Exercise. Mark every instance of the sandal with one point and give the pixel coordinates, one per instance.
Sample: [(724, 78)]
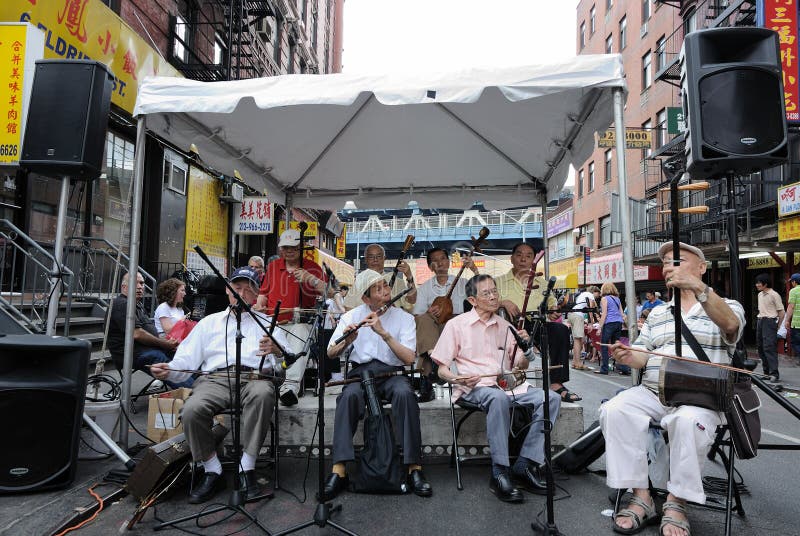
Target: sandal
[(669, 520), (639, 524), (566, 395), (579, 367)]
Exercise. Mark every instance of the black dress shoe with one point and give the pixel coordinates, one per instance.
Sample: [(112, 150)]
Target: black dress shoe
[(248, 484), (208, 486), (530, 480), (419, 484), (334, 485), (504, 489), (426, 393), (288, 398)]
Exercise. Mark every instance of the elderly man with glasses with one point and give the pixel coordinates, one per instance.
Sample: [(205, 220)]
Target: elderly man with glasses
[(375, 257)]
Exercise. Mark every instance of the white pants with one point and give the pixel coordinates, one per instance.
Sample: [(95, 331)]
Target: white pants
[(625, 421), (297, 336)]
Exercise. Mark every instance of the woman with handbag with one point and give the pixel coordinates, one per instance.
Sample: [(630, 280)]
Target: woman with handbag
[(611, 322), (170, 294)]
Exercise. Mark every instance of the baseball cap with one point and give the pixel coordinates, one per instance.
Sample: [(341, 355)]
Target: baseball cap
[(245, 272), (795, 278), (290, 237), (667, 247)]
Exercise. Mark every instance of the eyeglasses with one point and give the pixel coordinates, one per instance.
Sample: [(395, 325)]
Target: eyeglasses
[(489, 293)]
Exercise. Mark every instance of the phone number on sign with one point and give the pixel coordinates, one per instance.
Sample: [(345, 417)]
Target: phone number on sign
[(8, 150), (254, 226)]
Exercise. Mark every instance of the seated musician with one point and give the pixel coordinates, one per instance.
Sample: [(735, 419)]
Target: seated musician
[(513, 287), (477, 343), (384, 344), (717, 324), (427, 313), (211, 346), (375, 259)]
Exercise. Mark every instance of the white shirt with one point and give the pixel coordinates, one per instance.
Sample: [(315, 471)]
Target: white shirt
[(335, 310), (165, 310), (430, 290), (368, 344), (583, 301), (207, 347)]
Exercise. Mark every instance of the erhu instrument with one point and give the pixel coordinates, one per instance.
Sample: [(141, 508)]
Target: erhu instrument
[(406, 246), (445, 303), (528, 289)]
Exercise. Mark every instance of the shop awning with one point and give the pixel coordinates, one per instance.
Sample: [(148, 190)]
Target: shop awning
[(567, 281)]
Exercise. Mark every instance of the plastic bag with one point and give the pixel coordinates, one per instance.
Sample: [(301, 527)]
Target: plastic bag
[(658, 454), (181, 329), (782, 331)]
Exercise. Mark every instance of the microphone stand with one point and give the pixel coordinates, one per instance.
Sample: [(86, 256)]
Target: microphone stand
[(324, 510), (538, 526), (237, 497)]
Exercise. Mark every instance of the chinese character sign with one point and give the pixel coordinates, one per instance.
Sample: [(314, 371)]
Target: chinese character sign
[(559, 223), (253, 216), (12, 71), (206, 218), (781, 17), (789, 199), (341, 244), (789, 229)]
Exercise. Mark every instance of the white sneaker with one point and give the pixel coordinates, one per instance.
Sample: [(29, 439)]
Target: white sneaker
[(156, 384)]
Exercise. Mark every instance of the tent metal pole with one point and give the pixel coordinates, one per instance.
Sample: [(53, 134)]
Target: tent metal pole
[(133, 270), (625, 214)]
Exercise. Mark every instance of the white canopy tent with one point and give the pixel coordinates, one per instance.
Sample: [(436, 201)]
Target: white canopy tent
[(505, 137)]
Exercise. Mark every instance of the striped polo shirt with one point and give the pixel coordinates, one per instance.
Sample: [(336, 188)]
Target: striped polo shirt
[(658, 334)]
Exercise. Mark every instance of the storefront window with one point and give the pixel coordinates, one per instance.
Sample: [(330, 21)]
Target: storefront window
[(113, 191)]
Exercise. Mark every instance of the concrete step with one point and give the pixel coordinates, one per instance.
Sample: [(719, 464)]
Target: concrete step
[(297, 426)]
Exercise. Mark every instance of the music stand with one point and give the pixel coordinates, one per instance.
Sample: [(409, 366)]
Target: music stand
[(324, 510), (549, 528), (237, 498)]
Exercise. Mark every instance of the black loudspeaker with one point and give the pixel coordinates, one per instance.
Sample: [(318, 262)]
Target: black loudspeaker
[(42, 390), (67, 119), (733, 102), (211, 297)]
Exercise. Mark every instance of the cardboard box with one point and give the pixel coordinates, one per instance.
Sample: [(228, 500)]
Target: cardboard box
[(163, 414)]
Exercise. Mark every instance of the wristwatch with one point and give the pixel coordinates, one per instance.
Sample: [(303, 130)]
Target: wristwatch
[(703, 296)]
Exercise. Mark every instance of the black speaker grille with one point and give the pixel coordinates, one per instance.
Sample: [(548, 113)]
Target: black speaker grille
[(741, 113), (38, 447)]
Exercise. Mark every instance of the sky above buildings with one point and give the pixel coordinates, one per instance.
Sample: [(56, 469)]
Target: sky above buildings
[(382, 36), (431, 35)]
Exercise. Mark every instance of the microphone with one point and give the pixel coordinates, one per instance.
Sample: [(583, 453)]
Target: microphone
[(289, 359), (329, 272), (520, 343), (550, 284)]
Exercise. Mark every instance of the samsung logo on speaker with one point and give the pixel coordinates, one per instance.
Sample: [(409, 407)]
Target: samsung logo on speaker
[(19, 471), (748, 141)]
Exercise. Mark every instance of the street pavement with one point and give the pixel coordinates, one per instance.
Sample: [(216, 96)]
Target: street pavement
[(581, 507)]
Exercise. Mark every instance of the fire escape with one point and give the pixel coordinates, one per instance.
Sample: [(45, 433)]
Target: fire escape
[(239, 39), (752, 198)]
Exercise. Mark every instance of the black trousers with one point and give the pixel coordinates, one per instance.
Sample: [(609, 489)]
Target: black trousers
[(350, 408)]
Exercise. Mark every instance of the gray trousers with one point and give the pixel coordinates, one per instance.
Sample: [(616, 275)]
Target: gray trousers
[(350, 408), (767, 342), (210, 395), (497, 405)]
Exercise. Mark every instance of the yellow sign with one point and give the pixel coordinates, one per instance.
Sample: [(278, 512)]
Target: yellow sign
[(767, 261), (206, 220), (565, 267), (341, 244), (634, 138), (12, 79), (87, 29), (789, 229)]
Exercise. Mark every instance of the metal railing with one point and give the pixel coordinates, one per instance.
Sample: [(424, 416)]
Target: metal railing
[(100, 265), (26, 269)]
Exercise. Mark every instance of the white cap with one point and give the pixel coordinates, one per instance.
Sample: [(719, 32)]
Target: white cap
[(290, 237), (366, 279), (666, 247)]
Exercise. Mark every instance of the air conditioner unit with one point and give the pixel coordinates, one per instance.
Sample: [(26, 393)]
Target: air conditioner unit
[(263, 28), (233, 192)]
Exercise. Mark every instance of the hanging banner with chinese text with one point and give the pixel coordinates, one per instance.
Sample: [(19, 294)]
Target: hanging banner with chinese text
[(88, 29), (341, 243), (253, 216), (206, 222), (781, 16), (789, 229), (20, 46)]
